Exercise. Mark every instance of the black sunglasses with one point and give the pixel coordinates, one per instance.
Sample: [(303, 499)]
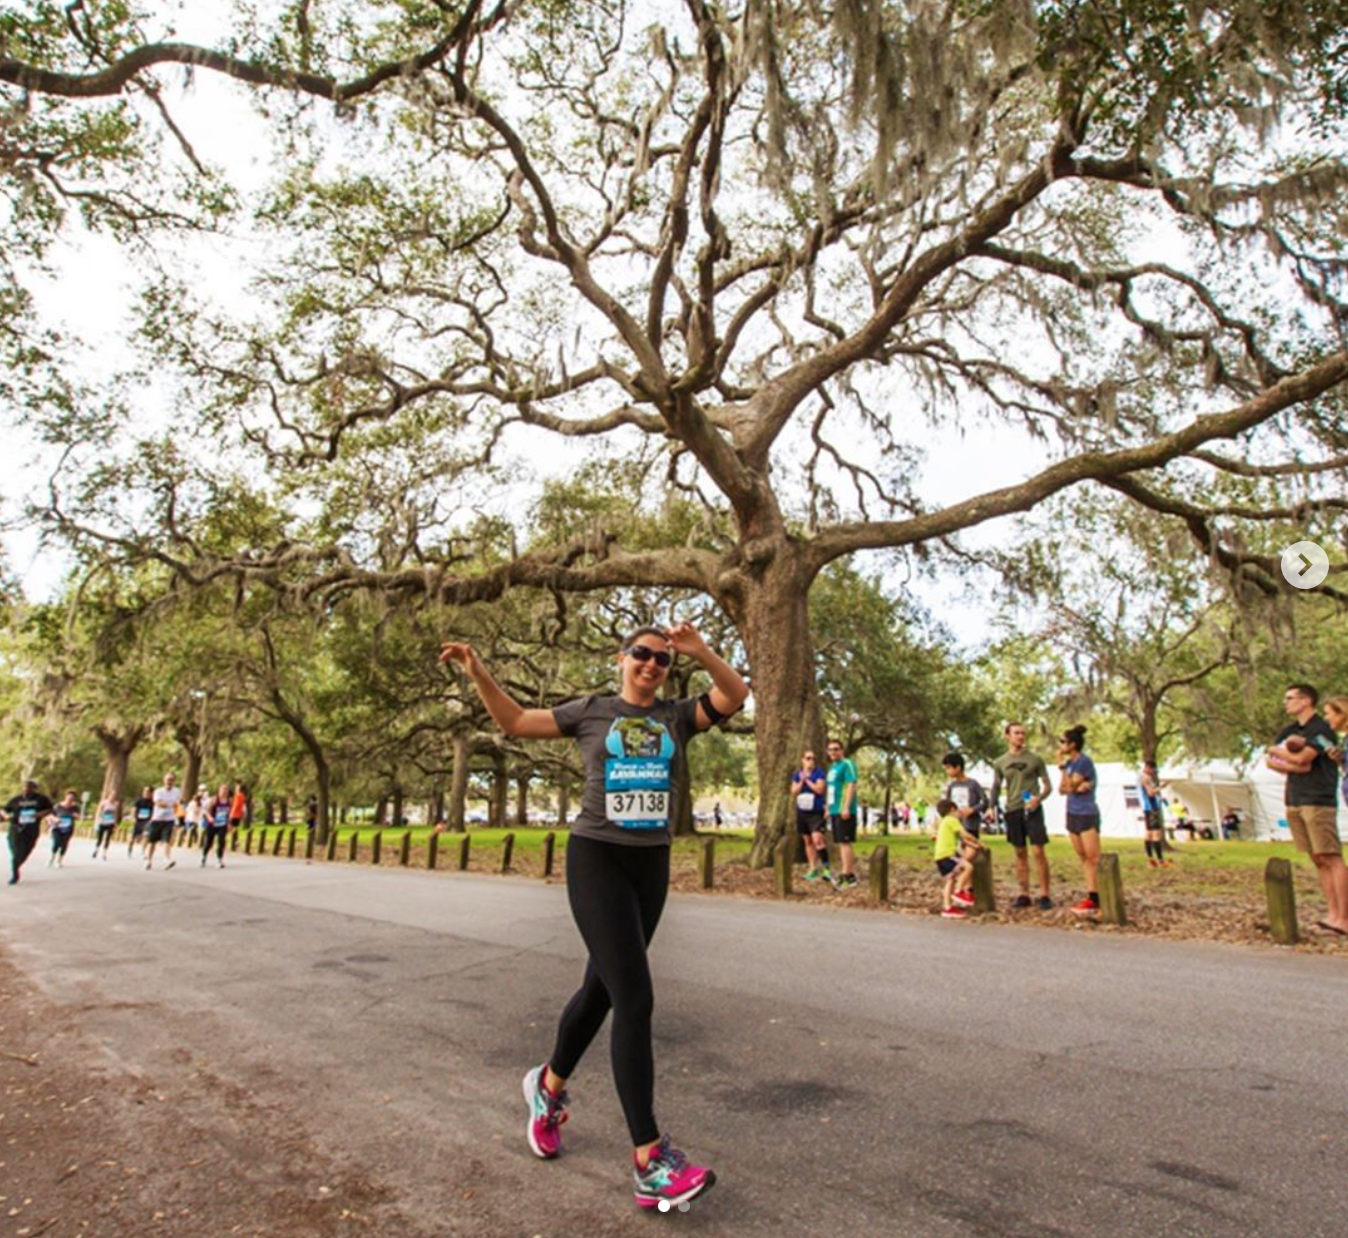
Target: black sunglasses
[(644, 653)]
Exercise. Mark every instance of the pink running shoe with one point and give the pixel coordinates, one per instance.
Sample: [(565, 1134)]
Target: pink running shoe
[(964, 897), (546, 1115), (669, 1181)]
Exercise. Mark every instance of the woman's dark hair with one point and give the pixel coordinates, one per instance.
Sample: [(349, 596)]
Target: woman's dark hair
[(631, 638), (1076, 736)]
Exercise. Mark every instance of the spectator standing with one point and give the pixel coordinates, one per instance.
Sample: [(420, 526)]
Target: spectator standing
[(1153, 815), (1336, 714), (964, 792), (1303, 751), (1024, 775), (808, 786), (842, 811), (1078, 783), (238, 806)]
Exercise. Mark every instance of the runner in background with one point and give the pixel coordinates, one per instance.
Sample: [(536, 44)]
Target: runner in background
[(141, 812), (24, 813), (106, 820), (215, 825), (63, 819), (163, 821), (617, 876)]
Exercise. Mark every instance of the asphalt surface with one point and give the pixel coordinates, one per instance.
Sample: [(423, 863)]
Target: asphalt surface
[(843, 1072)]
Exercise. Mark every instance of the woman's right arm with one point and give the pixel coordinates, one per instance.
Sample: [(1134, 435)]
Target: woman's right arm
[(506, 712)]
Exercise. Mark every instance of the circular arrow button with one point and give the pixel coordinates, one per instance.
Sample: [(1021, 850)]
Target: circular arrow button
[(1305, 565)]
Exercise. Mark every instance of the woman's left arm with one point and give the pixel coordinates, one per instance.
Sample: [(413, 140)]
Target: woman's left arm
[(728, 689)]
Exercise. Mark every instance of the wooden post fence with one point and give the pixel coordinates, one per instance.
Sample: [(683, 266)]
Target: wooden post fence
[(783, 869), (405, 849), (507, 851), (464, 843), (432, 850), (549, 846), (290, 843), (878, 872), (332, 844), (248, 842), (984, 899), (1282, 902), (352, 846), (377, 847), (706, 863), (1112, 910), (277, 842)]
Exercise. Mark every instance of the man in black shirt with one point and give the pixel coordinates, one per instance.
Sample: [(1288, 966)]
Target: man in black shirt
[(1311, 797), (25, 814)]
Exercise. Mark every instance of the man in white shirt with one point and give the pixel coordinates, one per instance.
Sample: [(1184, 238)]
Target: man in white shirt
[(163, 820)]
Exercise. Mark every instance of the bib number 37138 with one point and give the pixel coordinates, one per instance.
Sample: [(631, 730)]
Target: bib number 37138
[(636, 792)]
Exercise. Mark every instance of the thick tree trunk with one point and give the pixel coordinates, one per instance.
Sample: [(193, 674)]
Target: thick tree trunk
[(191, 769), (435, 810), (773, 617), (397, 814), (500, 790), (283, 809), (456, 810), (1148, 731), (381, 812), (117, 749), (522, 800)]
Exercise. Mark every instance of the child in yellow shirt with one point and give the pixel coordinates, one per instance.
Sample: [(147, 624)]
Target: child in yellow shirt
[(953, 853)]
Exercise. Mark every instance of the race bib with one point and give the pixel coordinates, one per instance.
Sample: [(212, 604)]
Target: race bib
[(636, 774), (27, 816), (636, 793), (805, 801), (108, 818)]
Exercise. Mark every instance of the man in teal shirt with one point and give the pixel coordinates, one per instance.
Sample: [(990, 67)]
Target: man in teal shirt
[(842, 811)]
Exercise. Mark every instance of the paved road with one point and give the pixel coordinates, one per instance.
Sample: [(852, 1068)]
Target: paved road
[(844, 1072)]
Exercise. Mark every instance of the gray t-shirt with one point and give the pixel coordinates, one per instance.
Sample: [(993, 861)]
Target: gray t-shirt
[(628, 752)]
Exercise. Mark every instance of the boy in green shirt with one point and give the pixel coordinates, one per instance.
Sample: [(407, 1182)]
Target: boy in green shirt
[(953, 854)]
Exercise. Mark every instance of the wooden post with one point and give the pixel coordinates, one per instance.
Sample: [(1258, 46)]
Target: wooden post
[(549, 846), (377, 847), (405, 849), (878, 872), (984, 900), (432, 850), (706, 863), (352, 846), (463, 852), (1112, 910), (248, 842), (290, 843), (332, 844), (309, 844), (1282, 902), (783, 869), (507, 851), (278, 841)]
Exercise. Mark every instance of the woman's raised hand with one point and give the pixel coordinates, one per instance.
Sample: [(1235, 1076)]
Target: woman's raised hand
[(686, 639), (461, 652)]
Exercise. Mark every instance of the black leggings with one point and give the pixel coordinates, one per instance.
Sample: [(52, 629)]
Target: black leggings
[(215, 834), (104, 838), (60, 840), (22, 840), (617, 893)]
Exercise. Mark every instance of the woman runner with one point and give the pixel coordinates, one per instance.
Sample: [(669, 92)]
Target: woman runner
[(63, 818), (617, 876), (108, 812), (215, 825)]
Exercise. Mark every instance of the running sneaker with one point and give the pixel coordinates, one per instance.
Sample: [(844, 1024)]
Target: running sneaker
[(1045, 903), (964, 897), (669, 1179), (546, 1115), (814, 874), (846, 881), (1022, 900), (1084, 908), (953, 912), (169, 865)]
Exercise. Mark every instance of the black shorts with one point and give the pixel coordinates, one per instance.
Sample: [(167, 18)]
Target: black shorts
[(808, 823), (1151, 819), (138, 828), (947, 866), (162, 831), (1025, 826), (1082, 822), (844, 829)]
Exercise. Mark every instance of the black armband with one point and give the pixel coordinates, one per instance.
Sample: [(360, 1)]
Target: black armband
[(714, 715)]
